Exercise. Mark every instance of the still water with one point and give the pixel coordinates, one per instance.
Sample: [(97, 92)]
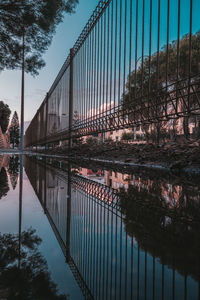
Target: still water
[(73, 231)]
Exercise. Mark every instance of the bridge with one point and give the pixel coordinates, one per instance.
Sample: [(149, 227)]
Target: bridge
[(136, 63)]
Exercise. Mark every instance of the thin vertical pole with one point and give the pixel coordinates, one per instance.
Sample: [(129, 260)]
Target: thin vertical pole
[(20, 207), (71, 98), (68, 215), (46, 119), (22, 99)]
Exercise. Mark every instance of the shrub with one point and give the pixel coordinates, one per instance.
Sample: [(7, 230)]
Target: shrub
[(128, 136), (91, 141)]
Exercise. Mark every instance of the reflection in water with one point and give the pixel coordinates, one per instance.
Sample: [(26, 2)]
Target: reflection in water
[(122, 243), (4, 187), (9, 166), (168, 232), (31, 280), (13, 170)]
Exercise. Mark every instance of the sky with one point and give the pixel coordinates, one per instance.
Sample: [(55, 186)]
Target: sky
[(37, 87), (68, 32)]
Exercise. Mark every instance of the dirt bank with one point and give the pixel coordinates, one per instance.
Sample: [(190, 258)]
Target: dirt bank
[(172, 155)]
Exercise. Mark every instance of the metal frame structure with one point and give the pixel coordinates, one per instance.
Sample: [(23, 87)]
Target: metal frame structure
[(106, 260), (132, 65)]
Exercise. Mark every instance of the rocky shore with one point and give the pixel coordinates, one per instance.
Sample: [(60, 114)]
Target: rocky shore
[(172, 155)]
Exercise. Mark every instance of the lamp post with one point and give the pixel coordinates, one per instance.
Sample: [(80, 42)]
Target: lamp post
[(22, 98)]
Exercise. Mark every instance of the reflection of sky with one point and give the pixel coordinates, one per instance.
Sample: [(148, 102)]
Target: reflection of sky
[(33, 216), (92, 223)]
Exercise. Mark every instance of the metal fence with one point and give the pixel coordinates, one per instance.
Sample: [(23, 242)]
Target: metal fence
[(136, 62)]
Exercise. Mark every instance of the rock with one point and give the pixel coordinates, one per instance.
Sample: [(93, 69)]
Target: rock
[(194, 144), (128, 160), (178, 165)]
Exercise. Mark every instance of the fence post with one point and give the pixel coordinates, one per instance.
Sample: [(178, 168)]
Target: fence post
[(71, 97), (46, 121)]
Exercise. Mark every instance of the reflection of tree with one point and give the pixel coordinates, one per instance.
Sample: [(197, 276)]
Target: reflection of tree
[(170, 233), (4, 188), (14, 170), (30, 281)]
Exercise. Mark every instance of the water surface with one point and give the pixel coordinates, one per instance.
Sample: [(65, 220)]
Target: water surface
[(80, 233)]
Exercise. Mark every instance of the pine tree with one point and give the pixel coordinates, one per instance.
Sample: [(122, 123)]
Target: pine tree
[(14, 130)]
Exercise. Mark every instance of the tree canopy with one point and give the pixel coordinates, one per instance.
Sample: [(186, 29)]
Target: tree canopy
[(150, 78), (159, 84), (4, 116), (4, 187), (37, 21), (32, 280)]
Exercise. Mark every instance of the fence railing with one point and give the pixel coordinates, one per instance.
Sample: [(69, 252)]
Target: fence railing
[(135, 63), (127, 251)]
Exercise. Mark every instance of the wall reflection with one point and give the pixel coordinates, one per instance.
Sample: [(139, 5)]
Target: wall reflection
[(137, 239)]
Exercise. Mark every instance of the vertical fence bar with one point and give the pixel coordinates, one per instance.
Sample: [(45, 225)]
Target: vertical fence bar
[(155, 90), (71, 98)]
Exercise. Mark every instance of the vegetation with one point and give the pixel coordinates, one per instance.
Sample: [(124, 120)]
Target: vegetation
[(4, 116), (14, 130), (108, 140), (36, 21), (166, 229), (148, 87), (128, 136), (77, 141), (91, 141), (25, 276), (13, 170), (4, 187)]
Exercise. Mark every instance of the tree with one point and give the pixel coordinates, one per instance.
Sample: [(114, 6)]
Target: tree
[(32, 279), (4, 116), (13, 170), (4, 187), (149, 93), (36, 20), (26, 31), (14, 130)]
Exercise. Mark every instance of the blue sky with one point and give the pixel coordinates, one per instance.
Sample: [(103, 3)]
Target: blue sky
[(36, 88), (68, 32)]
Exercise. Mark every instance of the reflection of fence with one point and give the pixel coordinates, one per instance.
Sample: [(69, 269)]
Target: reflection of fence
[(135, 62), (109, 254), (55, 208), (100, 191)]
